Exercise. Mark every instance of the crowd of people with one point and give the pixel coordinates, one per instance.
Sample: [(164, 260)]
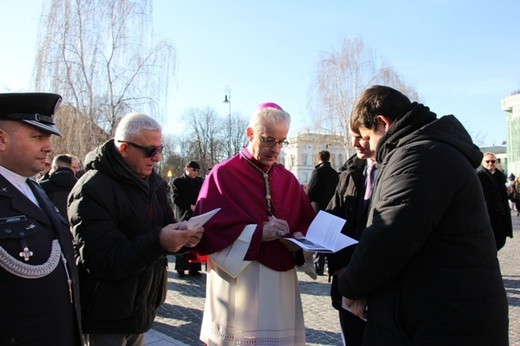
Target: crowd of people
[(83, 255)]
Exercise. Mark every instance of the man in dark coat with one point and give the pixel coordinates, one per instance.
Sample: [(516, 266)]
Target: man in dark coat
[(122, 225), (185, 192), (61, 180), (351, 202), (493, 183), (38, 279), (426, 264), (320, 189)]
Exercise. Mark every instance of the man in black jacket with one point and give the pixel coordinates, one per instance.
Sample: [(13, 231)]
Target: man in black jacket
[(320, 189), (185, 191), (123, 228), (428, 242), (61, 180), (351, 201), (40, 303), (493, 183)]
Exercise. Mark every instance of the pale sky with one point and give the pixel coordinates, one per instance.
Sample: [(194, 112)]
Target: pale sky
[(462, 57)]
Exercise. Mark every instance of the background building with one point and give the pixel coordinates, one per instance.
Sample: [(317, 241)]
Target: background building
[(511, 106), (300, 156)]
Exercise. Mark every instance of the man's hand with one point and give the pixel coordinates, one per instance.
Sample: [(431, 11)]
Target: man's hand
[(172, 239), (358, 307), (274, 229), (292, 247)]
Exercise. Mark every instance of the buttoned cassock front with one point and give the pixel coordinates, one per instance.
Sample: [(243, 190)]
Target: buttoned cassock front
[(36, 311)]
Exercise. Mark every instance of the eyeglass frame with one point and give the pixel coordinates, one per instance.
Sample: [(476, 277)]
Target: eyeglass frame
[(492, 161), (148, 151), (271, 142)]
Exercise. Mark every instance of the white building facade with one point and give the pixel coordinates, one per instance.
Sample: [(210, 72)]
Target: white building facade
[(511, 106), (301, 155)]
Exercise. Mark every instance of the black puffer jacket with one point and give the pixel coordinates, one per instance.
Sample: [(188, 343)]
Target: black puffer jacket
[(428, 261), (116, 218), (58, 187)]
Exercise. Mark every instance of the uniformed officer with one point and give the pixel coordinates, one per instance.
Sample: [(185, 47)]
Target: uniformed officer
[(39, 302)]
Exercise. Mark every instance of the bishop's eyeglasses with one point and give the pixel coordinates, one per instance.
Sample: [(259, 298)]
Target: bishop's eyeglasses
[(271, 142)]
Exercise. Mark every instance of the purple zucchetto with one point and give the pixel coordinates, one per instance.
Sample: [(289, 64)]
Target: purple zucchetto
[(265, 105)]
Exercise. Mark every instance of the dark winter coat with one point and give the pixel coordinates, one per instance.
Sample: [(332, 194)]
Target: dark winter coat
[(58, 186), (346, 204), (116, 218), (495, 194), (427, 262), (185, 192), (322, 185)]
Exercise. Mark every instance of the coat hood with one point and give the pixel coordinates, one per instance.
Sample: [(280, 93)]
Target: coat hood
[(420, 124), (63, 177)]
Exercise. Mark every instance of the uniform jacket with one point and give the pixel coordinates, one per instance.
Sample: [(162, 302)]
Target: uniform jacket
[(116, 218), (321, 186), (427, 262), (36, 311), (185, 192), (58, 187), (497, 204)]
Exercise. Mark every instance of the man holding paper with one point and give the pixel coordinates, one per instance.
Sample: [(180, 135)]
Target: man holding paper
[(123, 227), (252, 292), (426, 264)]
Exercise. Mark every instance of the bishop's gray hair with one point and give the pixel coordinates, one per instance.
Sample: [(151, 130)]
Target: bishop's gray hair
[(270, 114)]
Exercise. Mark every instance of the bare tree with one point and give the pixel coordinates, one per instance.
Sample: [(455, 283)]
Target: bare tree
[(238, 133), (341, 76), (101, 56), (205, 129)]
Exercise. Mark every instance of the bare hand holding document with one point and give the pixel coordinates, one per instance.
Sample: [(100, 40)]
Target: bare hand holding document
[(324, 235)]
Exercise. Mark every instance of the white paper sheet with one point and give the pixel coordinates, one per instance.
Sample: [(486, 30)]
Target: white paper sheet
[(324, 235)]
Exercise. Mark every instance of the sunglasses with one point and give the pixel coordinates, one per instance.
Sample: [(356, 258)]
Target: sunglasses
[(148, 151), (492, 161)]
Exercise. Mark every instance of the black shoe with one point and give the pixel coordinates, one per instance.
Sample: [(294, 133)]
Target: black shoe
[(194, 273), (181, 273)]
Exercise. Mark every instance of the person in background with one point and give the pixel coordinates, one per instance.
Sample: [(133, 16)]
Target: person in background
[(74, 165), (252, 293), (44, 173), (61, 181), (493, 183), (185, 191), (351, 201), (428, 242), (38, 279), (320, 189), (511, 191), (123, 227), (516, 195)]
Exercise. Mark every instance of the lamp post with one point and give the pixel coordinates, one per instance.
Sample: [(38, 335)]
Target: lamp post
[(227, 99)]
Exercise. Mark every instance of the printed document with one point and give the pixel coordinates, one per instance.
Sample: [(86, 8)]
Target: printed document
[(324, 235)]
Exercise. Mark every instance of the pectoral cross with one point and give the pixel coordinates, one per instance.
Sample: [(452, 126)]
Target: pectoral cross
[(26, 253)]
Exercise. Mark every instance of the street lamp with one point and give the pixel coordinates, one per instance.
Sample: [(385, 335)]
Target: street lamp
[(227, 99)]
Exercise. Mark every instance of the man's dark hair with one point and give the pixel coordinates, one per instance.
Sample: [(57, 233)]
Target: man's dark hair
[(378, 100), (324, 155), (63, 160)]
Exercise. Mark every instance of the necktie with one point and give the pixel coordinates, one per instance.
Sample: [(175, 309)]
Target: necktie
[(26, 190), (369, 180)]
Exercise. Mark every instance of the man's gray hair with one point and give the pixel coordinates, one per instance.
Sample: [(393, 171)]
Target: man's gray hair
[(269, 114), (131, 124)]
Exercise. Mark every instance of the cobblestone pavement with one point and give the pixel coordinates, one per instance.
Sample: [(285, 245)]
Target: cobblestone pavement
[(181, 315)]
